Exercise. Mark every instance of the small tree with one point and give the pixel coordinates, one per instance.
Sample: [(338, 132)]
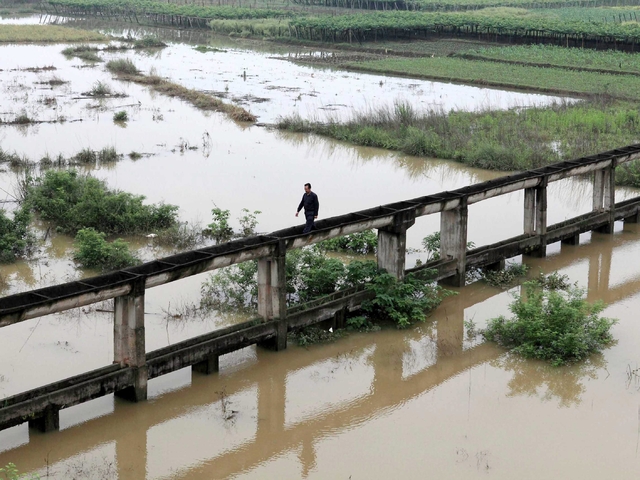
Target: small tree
[(93, 251), (220, 228)]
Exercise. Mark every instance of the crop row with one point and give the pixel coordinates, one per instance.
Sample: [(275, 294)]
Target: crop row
[(374, 25), (554, 56), (150, 7), (550, 80), (448, 5)]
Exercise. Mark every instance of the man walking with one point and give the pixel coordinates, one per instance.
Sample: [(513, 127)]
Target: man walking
[(311, 206)]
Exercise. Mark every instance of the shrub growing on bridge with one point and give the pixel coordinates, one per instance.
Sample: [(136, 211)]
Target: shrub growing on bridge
[(554, 325), (74, 202)]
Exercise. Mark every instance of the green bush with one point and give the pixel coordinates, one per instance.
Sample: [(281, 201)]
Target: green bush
[(403, 302), (74, 202), (93, 251), (362, 243), (121, 116), (15, 238), (507, 276), (554, 325), (220, 228)]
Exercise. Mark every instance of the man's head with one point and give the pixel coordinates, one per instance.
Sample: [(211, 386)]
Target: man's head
[(307, 187)]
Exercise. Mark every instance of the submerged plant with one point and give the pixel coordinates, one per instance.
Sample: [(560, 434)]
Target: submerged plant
[(554, 325), (94, 251)]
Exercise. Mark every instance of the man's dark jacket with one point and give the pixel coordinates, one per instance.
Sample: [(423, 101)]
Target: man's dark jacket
[(310, 203)]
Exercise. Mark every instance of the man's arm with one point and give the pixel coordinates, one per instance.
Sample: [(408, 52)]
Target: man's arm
[(317, 205), (300, 206)]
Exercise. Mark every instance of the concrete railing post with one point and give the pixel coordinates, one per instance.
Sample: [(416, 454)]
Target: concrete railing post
[(392, 244), (604, 195), (453, 241), (129, 342), (272, 294), (535, 215)]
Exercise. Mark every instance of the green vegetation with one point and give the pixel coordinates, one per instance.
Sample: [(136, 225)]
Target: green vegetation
[(553, 325), (608, 61), (149, 7), (74, 202), (121, 116), (505, 75), (46, 33), (15, 238), (404, 303), (10, 472), (517, 139), (83, 52), (310, 275), (219, 228), (93, 251), (490, 23), (361, 243), (122, 66), (507, 276), (125, 69)]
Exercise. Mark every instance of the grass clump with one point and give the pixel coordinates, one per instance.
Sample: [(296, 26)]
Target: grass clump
[(46, 33), (92, 250), (122, 66), (74, 202), (120, 116), (135, 155), (83, 52), (148, 42), (558, 326), (360, 243), (100, 89), (126, 70)]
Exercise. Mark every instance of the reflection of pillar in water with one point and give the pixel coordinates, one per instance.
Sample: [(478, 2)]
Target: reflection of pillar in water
[(131, 446), (450, 329), (307, 456), (271, 409)]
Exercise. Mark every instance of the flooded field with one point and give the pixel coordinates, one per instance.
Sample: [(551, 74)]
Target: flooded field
[(390, 404)]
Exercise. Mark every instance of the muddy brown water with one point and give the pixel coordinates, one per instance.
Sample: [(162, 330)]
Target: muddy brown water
[(392, 404)]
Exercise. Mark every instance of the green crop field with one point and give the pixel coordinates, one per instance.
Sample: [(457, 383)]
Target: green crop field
[(551, 80)]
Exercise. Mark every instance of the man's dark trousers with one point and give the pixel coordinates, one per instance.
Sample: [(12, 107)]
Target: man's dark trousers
[(310, 222)]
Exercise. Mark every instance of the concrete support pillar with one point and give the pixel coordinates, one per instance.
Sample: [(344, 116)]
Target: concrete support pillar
[(453, 241), (499, 265), (535, 216), (129, 342), (272, 294), (340, 318), (604, 196), (208, 366), (574, 240), (635, 218), (392, 244), (49, 420)]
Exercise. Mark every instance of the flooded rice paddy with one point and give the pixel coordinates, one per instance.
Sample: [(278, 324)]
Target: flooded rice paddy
[(429, 401)]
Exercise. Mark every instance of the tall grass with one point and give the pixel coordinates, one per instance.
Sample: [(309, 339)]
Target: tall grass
[(516, 139)]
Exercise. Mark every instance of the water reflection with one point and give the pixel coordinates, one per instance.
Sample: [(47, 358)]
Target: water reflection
[(541, 380)]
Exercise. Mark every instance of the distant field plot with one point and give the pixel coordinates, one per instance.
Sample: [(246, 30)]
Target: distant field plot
[(551, 80), (571, 58)]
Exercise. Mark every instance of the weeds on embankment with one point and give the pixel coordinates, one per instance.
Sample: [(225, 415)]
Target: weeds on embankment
[(516, 139), (47, 34), (126, 70)]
